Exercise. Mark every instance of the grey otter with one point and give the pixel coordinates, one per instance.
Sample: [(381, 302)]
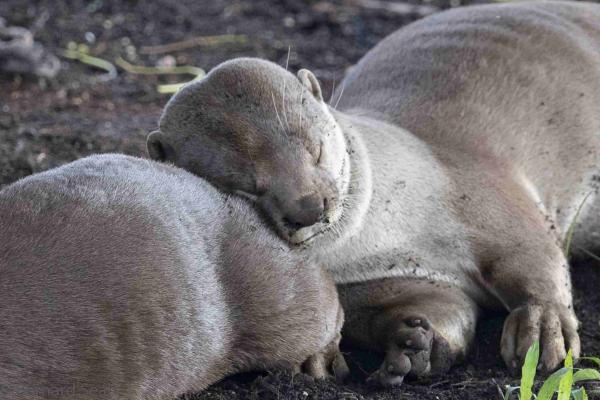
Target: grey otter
[(121, 278), (461, 149)]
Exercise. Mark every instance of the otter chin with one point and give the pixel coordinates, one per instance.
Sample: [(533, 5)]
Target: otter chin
[(306, 235)]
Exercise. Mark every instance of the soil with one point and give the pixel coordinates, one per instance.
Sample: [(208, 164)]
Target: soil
[(44, 124)]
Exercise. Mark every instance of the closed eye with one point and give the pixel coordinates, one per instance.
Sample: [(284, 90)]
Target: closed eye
[(249, 196), (320, 153)]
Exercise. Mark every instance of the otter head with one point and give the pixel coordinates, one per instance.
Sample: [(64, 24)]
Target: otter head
[(254, 129)]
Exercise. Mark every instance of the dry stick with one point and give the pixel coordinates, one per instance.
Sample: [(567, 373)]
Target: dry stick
[(144, 70), (198, 73), (401, 8), (111, 70), (194, 42)]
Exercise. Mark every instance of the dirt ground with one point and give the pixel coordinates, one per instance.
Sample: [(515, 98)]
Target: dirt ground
[(44, 124)]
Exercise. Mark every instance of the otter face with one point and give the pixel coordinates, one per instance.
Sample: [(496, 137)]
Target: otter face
[(252, 128)]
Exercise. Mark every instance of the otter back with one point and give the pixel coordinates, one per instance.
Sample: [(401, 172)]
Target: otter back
[(124, 278)]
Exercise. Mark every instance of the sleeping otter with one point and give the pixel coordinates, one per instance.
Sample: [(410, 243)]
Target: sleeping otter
[(444, 183), (122, 278)]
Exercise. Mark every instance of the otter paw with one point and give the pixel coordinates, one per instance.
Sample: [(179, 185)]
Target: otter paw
[(328, 363), (408, 353), (554, 326)]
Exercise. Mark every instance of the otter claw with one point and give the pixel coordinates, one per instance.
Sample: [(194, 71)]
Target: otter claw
[(554, 326), (329, 363), (408, 353)]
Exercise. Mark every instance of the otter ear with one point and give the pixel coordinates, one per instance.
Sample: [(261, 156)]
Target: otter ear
[(309, 80), (158, 148)]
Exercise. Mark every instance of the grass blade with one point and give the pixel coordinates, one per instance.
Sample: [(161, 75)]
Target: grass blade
[(571, 230), (551, 385), (566, 382), (588, 253), (528, 371), (579, 394), (587, 374)]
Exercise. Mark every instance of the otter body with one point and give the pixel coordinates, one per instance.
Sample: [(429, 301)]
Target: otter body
[(502, 102), (124, 278), (514, 86), (469, 139)]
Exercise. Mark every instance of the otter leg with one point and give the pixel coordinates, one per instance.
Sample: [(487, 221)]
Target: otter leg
[(522, 263), (536, 288), (422, 327), (329, 361)]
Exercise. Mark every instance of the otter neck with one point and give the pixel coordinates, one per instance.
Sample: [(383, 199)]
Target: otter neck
[(358, 196)]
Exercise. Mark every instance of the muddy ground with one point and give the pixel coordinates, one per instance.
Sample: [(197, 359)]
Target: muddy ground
[(44, 124)]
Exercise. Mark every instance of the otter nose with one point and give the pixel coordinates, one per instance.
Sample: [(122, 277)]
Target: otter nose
[(308, 210)]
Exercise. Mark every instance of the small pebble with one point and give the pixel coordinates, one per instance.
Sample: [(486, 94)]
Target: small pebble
[(166, 62), (90, 37), (289, 22)]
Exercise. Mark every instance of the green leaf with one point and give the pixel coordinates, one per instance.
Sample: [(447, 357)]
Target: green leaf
[(579, 394), (528, 371), (566, 382), (592, 359), (587, 374), (551, 385)]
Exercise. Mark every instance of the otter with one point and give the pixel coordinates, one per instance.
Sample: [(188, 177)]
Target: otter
[(444, 183), (122, 278)]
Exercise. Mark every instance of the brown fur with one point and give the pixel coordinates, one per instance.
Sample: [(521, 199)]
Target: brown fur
[(122, 278), (468, 141)]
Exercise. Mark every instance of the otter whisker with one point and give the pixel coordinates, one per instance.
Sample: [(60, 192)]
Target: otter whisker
[(300, 111), (340, 96), (284, 111), (277, 112), (287, 63), (332, 89)]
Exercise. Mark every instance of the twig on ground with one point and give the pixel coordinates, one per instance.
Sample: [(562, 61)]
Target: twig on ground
[(74, 53), (468, 383), (194, 42), (440, 383), (395, 7), (198, 73)]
